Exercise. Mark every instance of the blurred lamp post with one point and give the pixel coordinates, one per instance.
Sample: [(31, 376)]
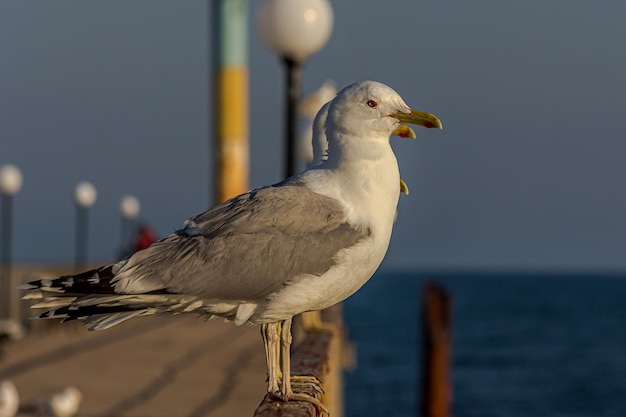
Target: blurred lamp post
[(129, 209), (10, 184), (294, 29), (84, 197)]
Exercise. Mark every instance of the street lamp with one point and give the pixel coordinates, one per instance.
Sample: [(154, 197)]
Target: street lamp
[(84, 197), (294, 29), (129, 209), (10, 184)]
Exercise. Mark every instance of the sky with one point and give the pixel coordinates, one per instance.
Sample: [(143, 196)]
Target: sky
[(528, 173)]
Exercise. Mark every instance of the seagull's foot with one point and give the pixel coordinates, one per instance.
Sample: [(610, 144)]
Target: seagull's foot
[(301, 396), (271, 386), (307, 381), (299, 381)]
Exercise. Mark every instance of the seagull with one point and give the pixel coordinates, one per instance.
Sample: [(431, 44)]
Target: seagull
[(308, 107), (319, 140), (303, 244), (9, 399)]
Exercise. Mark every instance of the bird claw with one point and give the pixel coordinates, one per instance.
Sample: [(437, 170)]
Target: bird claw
[(307, 381), (301, 396)]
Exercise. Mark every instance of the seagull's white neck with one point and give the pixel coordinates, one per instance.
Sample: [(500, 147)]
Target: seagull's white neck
[(364, 177), (344, 149)]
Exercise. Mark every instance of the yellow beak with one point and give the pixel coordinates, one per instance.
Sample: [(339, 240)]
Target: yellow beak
[(404, 132), (419, 118), (404, 189)]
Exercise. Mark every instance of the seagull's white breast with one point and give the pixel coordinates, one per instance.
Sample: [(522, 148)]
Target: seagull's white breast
[(368, 190)]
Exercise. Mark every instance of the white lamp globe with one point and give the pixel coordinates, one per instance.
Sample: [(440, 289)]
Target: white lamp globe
[(85, 194), (10, 179), (129, 206), (294, 29)]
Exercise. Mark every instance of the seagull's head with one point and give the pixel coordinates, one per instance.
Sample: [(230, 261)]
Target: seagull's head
[(373, 109)]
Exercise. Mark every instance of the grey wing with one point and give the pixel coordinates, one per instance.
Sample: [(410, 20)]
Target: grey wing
[(245, 248)]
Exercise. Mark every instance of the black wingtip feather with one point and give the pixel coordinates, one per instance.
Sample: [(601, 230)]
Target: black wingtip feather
[(94, 281)]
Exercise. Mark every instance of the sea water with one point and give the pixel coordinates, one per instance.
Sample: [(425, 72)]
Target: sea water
[(523, 345)]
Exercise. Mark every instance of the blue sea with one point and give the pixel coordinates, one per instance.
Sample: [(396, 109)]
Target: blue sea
[(524, 345)]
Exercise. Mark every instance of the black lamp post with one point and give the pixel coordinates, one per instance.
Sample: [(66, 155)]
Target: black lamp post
[(129, 209), (10, 184), (294, 29)]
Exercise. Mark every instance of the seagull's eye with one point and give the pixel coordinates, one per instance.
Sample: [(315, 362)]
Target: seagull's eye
[(371, 103)]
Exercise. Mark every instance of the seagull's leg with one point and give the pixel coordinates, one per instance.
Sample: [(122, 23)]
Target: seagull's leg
[(269, 331), (276, 353), (309, 320), (286, 391), (285, 353)]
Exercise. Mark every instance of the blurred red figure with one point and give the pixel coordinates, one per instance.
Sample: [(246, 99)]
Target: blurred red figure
[(146, 236)]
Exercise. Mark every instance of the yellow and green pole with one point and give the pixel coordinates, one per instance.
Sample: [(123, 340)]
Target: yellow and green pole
[(230, 87)]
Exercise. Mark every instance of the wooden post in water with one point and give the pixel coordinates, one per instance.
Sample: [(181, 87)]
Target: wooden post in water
[(437, 351)]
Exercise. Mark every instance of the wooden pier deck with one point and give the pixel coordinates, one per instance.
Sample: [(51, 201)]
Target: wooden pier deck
[(147, 367), (170, 366)]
